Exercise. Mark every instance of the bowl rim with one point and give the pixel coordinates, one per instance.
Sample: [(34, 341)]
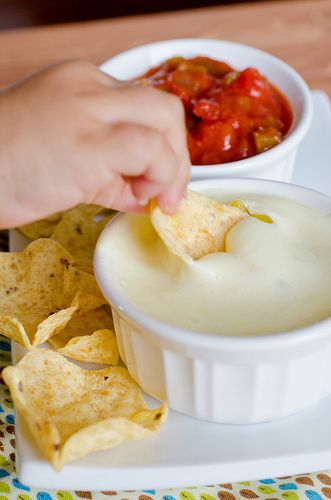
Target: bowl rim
[(292, 338), (292, 138)]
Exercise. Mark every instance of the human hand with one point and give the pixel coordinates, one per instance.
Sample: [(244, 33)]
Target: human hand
[(70, 134)]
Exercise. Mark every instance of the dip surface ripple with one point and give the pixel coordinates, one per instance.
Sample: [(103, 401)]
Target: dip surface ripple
[(272, 278)]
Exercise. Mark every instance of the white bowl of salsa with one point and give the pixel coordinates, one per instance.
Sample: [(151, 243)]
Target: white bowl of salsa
[(239, 337), (247, 111)]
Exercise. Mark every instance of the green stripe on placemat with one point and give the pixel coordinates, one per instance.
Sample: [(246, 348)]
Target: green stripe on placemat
[(311, 486)]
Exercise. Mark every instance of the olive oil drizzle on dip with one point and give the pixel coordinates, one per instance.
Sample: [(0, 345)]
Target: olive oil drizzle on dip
[(272, 278)]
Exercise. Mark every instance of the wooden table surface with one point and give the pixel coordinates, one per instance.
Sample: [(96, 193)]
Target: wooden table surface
[(297, 31)]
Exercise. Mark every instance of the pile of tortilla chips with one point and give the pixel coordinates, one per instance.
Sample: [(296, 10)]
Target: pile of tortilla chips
[(48, 293)]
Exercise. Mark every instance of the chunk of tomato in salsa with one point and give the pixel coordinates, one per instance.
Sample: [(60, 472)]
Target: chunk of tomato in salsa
[(230, 115), (187, 84)]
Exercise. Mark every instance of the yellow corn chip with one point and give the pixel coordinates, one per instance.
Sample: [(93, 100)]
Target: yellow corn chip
[(100, 347), (12, 328), (43, 228), (53, 325), (78, 233), (71, 411), (37, 288), (82, 324), (86, 302), (88, 209), (198, 228)]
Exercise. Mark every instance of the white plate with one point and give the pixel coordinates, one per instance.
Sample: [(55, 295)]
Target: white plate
[(189, 451)]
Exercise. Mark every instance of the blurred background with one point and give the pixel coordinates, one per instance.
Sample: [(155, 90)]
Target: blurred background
[(22, 13)]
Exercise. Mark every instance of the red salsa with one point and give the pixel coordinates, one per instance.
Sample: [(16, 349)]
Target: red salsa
[(230, 115)]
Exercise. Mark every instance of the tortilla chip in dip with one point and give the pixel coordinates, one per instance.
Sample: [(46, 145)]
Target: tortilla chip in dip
[(198, 228)]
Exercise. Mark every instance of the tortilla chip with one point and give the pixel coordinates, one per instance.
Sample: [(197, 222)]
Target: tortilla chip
[(76, 279), (90, 210), (82, 324), (53, 325), (71, 411), (78, 233), (37, 283), (43, 228), (86, 302), (10, 327), (100, 347), (198, 228)]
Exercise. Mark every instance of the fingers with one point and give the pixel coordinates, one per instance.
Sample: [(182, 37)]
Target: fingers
[(144, 189), (164, 112), (146, 163), (151, 108), (133, 136), (121, 198), (143, 157), (169, 199), (150, 150)]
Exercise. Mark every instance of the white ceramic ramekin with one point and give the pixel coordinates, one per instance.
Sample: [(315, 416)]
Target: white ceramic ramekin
[(237, 380), (278, 162)]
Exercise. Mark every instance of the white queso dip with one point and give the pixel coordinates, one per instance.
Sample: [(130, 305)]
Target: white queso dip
[(272, 278)]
